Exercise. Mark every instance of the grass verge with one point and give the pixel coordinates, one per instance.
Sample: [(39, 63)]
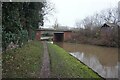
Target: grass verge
[(23, 62), (65, 66)]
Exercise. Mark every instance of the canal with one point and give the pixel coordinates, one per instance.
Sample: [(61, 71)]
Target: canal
[(103, 60)]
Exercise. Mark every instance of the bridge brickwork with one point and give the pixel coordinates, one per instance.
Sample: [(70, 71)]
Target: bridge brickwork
[(66, 35)]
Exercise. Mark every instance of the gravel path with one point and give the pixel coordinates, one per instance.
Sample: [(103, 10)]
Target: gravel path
[(45, 71)]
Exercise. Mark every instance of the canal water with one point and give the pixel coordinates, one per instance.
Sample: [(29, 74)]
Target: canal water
[(102, 60)]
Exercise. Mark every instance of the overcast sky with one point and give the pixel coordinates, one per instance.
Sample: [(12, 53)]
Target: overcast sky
[(67, 12)]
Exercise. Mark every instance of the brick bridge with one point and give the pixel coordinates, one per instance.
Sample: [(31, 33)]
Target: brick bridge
[(57, 35)]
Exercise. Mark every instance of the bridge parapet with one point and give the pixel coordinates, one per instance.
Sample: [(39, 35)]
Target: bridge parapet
[(58, 35)]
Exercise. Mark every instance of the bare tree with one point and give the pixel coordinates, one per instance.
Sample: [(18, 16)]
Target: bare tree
[(92, 24), (56, 25), (110, 15), (49, 8)]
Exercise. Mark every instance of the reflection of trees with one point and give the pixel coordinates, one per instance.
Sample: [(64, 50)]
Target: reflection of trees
[(94, 63)]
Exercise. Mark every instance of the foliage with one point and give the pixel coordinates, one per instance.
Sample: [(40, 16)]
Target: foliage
[(65, 66), (19, 21), (23, 62)]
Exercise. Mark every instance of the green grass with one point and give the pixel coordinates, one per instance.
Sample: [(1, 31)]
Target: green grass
[(23, 62), (65, 66)]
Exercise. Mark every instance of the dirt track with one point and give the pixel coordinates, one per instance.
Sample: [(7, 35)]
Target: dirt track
[(45, 71)]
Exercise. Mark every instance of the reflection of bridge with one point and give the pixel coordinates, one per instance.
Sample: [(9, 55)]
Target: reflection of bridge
[(57, 35)]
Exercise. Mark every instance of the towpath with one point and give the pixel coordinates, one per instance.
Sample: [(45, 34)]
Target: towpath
[(45, 70)]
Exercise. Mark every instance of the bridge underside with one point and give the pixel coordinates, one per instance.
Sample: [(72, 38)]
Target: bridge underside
[(58, 37)]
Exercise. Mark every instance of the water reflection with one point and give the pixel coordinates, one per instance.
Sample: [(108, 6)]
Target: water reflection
[(93, 62), (103, 60)]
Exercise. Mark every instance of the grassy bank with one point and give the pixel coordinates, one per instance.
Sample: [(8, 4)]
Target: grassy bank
[(23, 62), (63, 65)]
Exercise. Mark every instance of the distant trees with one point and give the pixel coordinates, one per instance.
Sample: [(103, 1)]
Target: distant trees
[(20, 20), (108, 15), (89, 28), (56, 25)]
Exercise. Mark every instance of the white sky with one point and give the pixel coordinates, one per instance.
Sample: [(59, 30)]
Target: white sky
[(67, 12)]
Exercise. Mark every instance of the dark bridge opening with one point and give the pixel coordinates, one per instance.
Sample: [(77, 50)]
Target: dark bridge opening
[(58, 37)]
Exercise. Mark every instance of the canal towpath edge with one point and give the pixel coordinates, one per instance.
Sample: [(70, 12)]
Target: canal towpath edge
[(45, 70)]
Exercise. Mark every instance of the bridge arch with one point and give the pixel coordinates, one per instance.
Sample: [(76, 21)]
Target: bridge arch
[(58, 35)]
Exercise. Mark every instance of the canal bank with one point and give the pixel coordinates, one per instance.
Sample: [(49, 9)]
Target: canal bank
[(27, 62), (103, 60), (65, 66)]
